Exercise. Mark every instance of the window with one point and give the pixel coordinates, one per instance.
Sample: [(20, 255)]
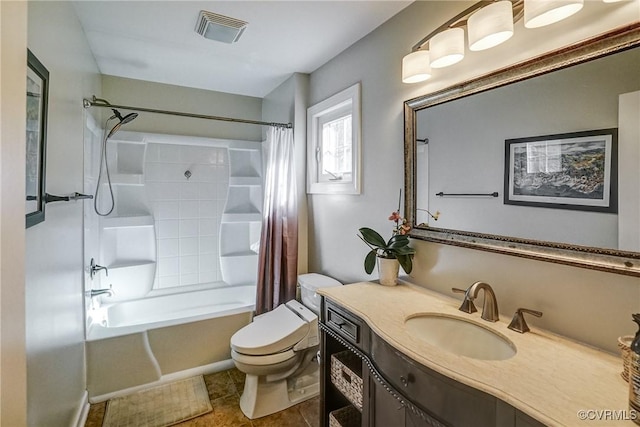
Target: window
[(333, 144)]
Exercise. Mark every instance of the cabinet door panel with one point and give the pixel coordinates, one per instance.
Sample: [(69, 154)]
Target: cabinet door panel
[(414, 420), (431, 391), (385, 410)]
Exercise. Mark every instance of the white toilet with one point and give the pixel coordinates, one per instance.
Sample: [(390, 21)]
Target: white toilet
[(276, 352)]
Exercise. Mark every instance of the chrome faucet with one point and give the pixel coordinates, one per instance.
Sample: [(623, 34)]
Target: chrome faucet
[(489, 306), (109, 292)]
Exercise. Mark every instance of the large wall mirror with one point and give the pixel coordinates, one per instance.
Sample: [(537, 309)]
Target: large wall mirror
[(569, 113)]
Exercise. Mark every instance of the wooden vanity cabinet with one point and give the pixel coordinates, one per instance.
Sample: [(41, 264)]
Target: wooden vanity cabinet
[(398, 391)]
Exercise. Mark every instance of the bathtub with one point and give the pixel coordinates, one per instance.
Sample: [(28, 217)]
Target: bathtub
[(148, 341)]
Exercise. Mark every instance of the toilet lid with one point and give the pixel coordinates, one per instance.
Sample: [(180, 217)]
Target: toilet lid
[(271, 332), (315, 281)]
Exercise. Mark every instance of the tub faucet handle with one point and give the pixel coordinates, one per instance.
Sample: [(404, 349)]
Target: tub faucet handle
[(95, 268)]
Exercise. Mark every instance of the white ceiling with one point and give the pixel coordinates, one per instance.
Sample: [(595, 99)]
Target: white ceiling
[(156, 41)]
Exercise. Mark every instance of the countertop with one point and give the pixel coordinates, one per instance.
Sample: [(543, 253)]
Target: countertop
[(550, 378)]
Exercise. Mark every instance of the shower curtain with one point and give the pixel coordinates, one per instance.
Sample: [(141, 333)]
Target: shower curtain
[(278, 257)]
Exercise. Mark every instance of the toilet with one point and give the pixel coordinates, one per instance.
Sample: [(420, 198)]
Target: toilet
[(277, 352)]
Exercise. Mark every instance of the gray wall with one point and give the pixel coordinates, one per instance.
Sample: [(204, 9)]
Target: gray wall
[(54, 275), (139, 93), (589, 306)]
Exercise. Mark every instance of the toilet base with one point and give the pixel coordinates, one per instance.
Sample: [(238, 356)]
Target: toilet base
[(261, 398)]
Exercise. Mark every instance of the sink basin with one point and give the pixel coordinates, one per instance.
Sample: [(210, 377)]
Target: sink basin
[(460, 336)]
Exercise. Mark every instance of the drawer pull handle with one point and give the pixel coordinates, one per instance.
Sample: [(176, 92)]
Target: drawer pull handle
[(404, 381)]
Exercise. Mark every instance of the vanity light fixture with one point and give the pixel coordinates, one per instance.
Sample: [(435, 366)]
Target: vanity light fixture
[(415, 67), (447, 48), (489, 23), (539, 13), (490, 26)]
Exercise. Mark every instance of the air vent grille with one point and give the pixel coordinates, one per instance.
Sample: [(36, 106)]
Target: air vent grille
[(219, 27)]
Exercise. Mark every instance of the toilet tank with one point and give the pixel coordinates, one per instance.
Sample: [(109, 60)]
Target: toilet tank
[(309, 284)]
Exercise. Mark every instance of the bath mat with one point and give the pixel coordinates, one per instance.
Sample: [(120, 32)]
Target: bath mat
[(160, 406)]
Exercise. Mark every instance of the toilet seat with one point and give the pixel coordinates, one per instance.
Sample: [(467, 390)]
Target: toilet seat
[(272, 332), (267, 359)]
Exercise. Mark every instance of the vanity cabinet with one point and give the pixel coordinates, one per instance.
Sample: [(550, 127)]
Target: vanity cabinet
[(398, 391)]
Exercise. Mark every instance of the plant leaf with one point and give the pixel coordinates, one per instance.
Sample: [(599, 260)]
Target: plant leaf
[(405, 250), (370, 262), (406, 263), (372, 237), (398, 241)]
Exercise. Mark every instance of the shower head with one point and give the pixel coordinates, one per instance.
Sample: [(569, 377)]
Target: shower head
[(122, 121)]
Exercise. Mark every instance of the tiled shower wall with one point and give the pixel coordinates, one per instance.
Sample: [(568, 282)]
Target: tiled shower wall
[(187, 211)]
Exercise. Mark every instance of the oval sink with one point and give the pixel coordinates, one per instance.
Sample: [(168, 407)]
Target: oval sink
[(460, 336)]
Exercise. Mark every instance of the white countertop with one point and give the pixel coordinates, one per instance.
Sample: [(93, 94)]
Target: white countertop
[(550, 378)]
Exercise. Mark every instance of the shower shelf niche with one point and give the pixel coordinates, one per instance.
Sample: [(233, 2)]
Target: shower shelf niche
[(128, 247), (127, 221), (127, 179), (242, 217)]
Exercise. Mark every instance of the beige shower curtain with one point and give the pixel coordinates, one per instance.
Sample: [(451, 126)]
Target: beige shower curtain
[(278, 257)]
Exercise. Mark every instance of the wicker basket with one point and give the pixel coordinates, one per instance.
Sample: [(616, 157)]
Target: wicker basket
[(346, 375), (345, 417), (624, 343)]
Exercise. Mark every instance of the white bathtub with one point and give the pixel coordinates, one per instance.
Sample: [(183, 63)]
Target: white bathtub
[(163, 310), (137, 343)]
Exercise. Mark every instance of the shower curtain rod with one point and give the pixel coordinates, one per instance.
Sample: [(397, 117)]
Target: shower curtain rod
[(102, 103)]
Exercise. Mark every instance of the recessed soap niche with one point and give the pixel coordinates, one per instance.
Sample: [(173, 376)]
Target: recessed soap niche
[(240, 238), (245, 163)]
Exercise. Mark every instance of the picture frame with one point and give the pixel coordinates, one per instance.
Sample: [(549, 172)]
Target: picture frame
[(575, 170), (36, 139)]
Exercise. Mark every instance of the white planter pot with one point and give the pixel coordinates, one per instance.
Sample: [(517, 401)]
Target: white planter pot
[(388, 271)]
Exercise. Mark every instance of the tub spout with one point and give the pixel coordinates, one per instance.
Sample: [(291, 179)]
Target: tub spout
[(109, 292)]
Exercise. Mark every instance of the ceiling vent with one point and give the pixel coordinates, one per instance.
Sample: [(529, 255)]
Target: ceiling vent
[(219, 27)]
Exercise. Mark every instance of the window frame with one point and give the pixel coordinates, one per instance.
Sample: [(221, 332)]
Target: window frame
[(324, 112)]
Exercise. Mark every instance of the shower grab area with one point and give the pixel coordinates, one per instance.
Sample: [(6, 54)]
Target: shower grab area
[(176, 259)]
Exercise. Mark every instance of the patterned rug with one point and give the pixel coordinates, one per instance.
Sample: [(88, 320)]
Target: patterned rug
[(160, 406)]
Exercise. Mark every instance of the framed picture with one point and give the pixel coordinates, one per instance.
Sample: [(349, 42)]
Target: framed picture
[(564, 171), (37, 92)]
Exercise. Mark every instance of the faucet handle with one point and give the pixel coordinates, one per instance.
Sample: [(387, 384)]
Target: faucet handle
[(467, 304), (518, 323), (94, 268)]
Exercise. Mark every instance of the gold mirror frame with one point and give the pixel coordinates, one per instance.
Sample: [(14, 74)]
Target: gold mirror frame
[(609, 260)]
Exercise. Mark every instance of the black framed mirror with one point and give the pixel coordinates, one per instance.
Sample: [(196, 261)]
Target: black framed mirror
[(36, 139), (592, 255)]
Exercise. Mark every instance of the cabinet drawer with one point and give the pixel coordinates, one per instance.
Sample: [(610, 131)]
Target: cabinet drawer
[(452, 402), (348, 326)]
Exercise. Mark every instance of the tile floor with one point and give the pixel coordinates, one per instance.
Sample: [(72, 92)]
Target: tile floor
[(224, 391)]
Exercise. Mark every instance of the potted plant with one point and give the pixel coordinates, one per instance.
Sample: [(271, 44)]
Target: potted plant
[(391, 254)]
